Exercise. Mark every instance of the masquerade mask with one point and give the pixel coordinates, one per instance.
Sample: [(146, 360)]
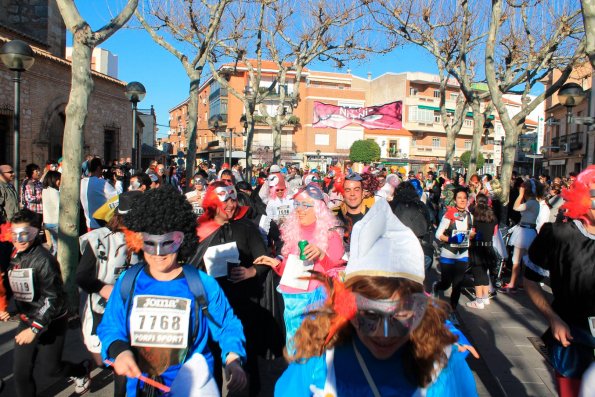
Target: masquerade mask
[(24, 234), (354, 176), (313, 191), (162, 244), (225, 193), (302, 204), (390, 318), (134, 185)]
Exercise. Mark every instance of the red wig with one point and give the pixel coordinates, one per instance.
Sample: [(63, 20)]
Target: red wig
[(578, 197), (5, 233), (339, 180)]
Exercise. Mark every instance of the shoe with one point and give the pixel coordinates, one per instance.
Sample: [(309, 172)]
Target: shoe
[(492, 295), (507, 289), (83, 384), (486, 301), (454, 319), (434, 290), (475, 304)]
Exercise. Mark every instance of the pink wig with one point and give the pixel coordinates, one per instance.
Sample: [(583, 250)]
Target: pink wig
[(326, 221)]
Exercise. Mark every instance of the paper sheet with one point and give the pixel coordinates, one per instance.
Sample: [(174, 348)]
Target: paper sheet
[(216, 258), (294, 269)]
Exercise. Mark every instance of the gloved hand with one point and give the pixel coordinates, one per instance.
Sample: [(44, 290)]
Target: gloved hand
[(478, 236), (456, 238)]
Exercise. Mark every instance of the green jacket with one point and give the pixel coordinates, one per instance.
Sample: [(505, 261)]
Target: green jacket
[(9, 204)]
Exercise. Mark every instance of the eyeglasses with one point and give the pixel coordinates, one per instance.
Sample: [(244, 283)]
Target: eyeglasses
[(302, 204), (8, 172), (280, 190)]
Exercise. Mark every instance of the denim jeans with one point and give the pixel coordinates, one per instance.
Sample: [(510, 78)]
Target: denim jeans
[(52, 228)]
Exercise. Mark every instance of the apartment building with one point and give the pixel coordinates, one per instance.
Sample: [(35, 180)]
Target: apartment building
[(569, 141)]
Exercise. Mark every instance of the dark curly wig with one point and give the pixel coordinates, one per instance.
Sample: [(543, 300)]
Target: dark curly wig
[(164, 210)]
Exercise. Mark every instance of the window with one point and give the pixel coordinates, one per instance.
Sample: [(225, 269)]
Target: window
[(437, 118), (436, 93), (454, 96), (346, 137), (467, 144), (418, 115), (392, 148), (110, 144), (436, 142), (468, 123), (413, 91), (321, 139)]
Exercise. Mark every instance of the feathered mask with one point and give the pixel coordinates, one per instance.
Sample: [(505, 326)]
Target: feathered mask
[(578, 198), (339, 181), (342, 302)]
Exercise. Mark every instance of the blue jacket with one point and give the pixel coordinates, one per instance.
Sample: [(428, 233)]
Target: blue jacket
[(230, 336)]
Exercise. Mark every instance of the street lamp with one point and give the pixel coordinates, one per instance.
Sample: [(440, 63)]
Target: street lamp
[(18, 57), (135, 92), (318, 158), (570, 95), (244, 122)]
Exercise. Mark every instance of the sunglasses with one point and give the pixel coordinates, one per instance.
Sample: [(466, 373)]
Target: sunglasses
[(302, 205)]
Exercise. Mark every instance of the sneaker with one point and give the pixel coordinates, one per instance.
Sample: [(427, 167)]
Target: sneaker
[(492, 295), (475, 304), (454, 319), (486, 301), (507, 289), (83, 384)]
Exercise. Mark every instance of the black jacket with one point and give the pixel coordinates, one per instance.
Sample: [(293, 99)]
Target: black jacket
[(49, 298)]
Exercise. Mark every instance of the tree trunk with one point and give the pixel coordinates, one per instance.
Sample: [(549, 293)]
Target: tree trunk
[(76, 115), (476, 139), (589, 21), (191, 128), (249, 140), (277, 131), (451, 137)]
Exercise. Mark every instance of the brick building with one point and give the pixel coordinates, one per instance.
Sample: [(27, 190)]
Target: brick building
[(45, 89)]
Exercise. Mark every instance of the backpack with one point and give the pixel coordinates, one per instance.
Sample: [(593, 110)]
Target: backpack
[(194, 283)]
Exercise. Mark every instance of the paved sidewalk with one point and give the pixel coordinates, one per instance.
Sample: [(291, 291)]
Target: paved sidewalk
[(500, 334)]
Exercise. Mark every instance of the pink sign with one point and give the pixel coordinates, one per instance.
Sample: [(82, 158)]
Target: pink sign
[(386, 117)]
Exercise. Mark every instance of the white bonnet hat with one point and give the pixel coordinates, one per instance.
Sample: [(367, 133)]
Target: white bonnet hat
[(381, 245)]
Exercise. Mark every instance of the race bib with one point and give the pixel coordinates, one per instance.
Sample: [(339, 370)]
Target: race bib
[(21, 283), (160, 321), (283, 211)]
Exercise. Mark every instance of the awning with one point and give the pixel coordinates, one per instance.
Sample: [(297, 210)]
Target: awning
[(150, 151), (437, 109)]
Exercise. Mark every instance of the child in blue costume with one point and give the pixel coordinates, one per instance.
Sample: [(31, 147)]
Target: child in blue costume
[(379, 334), (159, 327)]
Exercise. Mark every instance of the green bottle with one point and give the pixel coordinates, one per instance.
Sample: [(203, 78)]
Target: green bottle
[(302, 245)]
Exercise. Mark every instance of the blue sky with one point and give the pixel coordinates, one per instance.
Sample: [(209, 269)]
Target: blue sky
[(141, 59)]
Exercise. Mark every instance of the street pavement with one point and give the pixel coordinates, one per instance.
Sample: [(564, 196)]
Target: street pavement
[(509, 364)]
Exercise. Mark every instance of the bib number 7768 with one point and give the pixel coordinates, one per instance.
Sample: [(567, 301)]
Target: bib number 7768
[(160, 321)]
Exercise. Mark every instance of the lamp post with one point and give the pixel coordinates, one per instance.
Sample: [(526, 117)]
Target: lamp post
[(318, 158), (216, 127), (18, 57), (135, 92), (244, 122)]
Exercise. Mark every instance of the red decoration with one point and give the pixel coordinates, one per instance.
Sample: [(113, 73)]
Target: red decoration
[(6, 232), (578, 197), (134, 240), (343, 304)]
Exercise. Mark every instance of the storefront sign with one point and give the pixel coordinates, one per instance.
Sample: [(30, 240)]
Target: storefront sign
[(388, 116)]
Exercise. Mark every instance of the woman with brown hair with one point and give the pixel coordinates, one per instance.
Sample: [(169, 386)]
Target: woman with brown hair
[(378, 334), (481, 250)]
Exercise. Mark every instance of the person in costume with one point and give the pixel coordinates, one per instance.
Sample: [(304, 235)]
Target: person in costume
[(38, 290), (524, 233), (104, 257), (314, 223), (565, 252), (352, 209), (378, 334), (280, 204), (229, 242), (455, 232), (160, 327)]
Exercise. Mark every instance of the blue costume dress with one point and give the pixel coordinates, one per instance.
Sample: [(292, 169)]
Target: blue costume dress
[(337, 373), (114, 330)]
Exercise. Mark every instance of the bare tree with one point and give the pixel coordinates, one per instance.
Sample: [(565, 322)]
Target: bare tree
[(452, 32), (292, 34), (526, 42), (187, 30), (84, 41), (588, 7)]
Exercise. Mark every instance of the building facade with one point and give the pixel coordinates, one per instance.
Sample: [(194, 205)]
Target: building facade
[(569, 135), (44, 94)]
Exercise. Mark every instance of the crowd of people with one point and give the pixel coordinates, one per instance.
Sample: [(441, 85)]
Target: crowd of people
[(295, 282)]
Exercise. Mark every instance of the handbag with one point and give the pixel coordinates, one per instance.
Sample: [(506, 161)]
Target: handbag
[(571, 361)]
